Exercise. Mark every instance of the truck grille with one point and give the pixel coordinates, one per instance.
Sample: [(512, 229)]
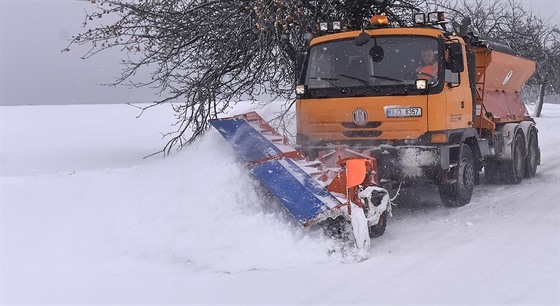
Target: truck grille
[(362, 133), (369, 125)]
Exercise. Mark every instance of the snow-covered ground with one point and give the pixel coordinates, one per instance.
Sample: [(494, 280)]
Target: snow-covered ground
[(86, 220)]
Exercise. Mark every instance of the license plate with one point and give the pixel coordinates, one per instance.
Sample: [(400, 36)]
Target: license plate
[(404, 112)]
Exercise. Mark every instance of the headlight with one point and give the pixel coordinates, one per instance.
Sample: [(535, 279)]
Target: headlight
[(421, 84)]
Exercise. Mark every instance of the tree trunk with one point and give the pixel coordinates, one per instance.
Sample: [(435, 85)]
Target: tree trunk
[(541, 100)]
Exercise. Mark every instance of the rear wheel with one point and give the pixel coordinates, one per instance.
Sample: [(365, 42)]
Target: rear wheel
[(459, 192), (532, 159), (515, 168)]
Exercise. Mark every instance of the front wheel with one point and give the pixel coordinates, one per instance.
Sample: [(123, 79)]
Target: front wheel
[(459, 192), (378, 229)]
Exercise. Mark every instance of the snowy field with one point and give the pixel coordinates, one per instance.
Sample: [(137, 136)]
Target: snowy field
[(86, 220)]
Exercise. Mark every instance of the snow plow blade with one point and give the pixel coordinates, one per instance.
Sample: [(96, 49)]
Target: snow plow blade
[(248, 143), (278, 166), (304, 198)]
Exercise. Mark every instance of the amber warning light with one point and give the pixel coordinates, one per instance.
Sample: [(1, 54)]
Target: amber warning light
[(379, 20)]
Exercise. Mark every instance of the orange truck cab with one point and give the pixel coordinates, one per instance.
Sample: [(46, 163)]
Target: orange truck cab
[(425, 102)]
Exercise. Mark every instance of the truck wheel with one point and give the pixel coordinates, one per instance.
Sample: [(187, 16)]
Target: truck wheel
[(532, 155), (515, 168), (379, 229), (459, 193)]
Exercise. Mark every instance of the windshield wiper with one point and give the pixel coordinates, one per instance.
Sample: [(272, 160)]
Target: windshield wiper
[(387, 78), (373, 76), (355, 78), (331, 81)]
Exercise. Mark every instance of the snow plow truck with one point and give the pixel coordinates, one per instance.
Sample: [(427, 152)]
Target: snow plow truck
[(385, 107)]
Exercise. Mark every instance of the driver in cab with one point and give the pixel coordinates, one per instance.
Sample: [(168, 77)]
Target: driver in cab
[(429, 69)]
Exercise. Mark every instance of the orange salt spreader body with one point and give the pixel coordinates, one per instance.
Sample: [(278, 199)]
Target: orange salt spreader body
[(499, 79)]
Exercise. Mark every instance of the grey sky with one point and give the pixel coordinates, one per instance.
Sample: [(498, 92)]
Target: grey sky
[(548, 9), (34, 71)]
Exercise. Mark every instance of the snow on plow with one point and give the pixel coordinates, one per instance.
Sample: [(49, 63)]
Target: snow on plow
[(342, 183)]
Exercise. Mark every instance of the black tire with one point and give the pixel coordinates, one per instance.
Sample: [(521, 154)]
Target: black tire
[(379, 229), (459, 193), (515, 169), (532, 159)]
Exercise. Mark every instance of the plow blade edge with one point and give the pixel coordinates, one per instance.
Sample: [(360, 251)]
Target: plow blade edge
[(304, 197)]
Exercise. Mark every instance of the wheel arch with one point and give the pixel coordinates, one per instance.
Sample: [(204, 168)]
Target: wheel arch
[(528, 127), (508, 133), (472, 142), (470, 138)]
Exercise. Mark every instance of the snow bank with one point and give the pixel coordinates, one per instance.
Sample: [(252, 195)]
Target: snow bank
[(199, 208)]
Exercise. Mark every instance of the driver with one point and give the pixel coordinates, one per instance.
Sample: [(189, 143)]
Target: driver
[(429, 69)]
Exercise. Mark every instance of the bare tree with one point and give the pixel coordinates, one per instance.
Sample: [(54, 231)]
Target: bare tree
[(548, 64), (206, 54)]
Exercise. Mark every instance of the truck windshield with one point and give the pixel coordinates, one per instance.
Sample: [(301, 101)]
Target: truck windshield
[(385, 62)]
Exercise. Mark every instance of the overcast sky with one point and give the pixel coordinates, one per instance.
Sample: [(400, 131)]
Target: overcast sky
[(34, 71)]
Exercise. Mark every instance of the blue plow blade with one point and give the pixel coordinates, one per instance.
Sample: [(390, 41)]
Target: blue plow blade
[(303, 196), (247, 142)]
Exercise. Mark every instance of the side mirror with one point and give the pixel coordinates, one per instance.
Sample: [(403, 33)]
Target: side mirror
[(376, 53), (455, 59)]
